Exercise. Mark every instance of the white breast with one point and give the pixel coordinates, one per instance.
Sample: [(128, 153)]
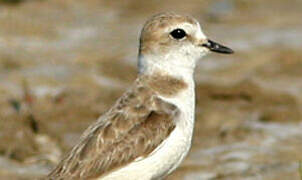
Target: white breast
[(167, 157)]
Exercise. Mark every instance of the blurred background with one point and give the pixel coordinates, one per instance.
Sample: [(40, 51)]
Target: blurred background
[(64, 62)]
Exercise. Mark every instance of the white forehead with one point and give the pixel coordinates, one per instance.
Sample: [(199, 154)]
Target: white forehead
[(189, 28), (199, 32)]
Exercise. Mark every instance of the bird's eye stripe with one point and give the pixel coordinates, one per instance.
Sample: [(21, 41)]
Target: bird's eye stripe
[(178, 33)]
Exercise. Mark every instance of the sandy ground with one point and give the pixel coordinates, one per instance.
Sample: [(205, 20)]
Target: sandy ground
[(63, 63)]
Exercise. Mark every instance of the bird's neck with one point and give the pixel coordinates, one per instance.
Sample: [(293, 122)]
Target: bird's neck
[(176, 67), (168, 77)]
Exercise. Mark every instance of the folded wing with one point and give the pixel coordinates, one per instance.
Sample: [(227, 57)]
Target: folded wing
[(138, 123)]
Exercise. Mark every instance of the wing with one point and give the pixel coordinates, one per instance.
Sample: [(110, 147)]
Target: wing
[(120, 136)]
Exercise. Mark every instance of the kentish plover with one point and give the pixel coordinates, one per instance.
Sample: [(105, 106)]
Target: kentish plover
[(148, 132)]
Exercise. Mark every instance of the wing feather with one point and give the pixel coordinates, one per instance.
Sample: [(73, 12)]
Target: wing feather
[(138, 123)]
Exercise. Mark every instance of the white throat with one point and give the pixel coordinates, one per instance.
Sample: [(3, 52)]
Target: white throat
[(176, 66)]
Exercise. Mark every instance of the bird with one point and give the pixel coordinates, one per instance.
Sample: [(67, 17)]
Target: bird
[(148, 132)]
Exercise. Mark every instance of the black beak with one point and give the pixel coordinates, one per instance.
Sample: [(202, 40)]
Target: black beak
[(215, 47)]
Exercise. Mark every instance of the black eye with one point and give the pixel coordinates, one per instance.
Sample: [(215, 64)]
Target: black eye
[(178, 33)]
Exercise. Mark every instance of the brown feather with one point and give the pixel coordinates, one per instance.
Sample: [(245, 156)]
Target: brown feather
[(166, 85)]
